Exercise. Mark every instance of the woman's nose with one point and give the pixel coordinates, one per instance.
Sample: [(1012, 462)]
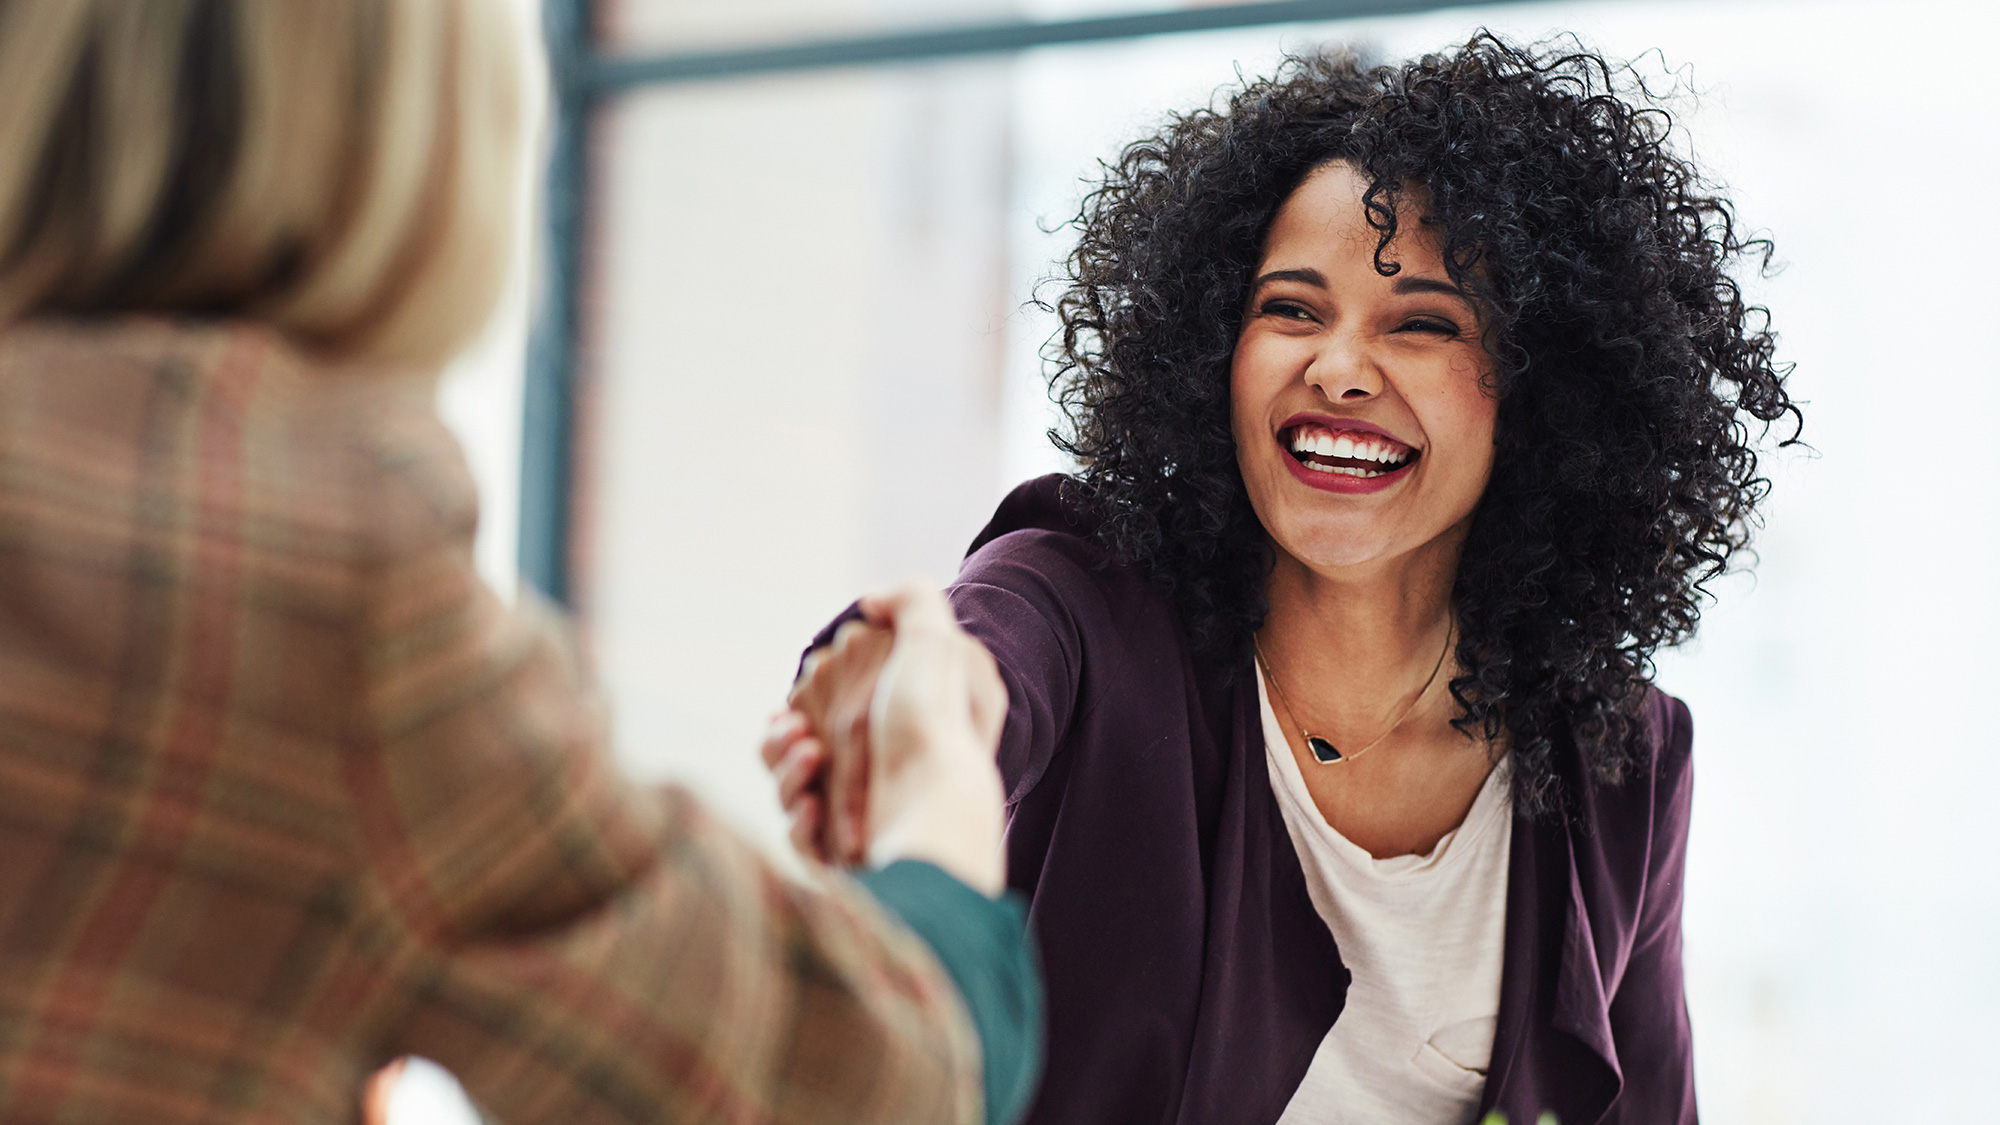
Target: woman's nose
[(1344, 371)]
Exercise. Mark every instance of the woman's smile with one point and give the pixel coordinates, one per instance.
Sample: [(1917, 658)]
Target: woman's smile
[(1345, 455)]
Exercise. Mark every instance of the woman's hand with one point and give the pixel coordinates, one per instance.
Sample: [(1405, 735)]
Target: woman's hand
[(818, 748), (887, 751)]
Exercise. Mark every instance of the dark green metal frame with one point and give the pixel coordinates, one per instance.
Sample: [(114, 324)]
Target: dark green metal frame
[(582, 78)]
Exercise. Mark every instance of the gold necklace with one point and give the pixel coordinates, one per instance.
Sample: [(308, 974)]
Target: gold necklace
[(1325, 752)]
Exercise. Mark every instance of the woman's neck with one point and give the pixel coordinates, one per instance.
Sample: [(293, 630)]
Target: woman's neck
[(1357, 642)]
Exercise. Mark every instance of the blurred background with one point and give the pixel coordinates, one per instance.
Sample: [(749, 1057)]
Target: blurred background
[(804, 364)]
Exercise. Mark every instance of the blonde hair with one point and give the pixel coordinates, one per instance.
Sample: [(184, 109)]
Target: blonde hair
[(345, 170)]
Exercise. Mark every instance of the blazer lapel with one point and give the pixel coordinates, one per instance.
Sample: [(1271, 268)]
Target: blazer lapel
[(1553, 1050), (1272, 981), (1582, 1010)]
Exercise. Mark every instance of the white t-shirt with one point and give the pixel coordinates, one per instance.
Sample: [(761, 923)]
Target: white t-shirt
[(1423, 936)]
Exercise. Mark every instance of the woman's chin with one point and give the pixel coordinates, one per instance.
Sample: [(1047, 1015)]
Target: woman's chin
[(1340, 549)]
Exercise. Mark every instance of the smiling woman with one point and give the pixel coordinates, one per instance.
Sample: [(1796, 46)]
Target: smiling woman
[(1414, 404), (1383, 377)]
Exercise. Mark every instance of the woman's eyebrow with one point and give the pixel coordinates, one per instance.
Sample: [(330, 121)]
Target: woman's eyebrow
[(1309, 276), (1408, 284), (1404, 284)]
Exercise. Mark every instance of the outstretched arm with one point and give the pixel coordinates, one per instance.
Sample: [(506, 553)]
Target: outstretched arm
[(903, 709)]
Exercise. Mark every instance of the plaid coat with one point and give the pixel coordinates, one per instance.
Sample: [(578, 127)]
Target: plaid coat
[(286, 792)]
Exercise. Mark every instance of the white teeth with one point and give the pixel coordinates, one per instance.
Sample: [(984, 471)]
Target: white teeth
[(1344, 470), (1364, 447)]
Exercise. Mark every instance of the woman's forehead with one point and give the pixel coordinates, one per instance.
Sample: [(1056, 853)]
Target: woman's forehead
[(1325, 220)]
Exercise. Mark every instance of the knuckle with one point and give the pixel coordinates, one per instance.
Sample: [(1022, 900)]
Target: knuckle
[(845, 637)]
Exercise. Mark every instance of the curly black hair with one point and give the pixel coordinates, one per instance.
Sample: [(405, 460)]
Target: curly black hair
[(1626, 363)]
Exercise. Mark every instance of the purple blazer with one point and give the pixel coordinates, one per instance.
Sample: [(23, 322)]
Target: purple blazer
[(1189, 979)]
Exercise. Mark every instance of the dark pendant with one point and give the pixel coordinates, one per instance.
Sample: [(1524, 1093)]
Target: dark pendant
[(1323, 750)]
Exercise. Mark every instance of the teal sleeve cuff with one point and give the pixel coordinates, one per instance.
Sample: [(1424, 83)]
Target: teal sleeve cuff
[(985, 946)]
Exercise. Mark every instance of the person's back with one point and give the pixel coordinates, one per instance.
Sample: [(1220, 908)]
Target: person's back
[(285, 791)]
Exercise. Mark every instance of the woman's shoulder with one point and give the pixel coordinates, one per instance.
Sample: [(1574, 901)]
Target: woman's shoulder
[(1632, 818), (1669, 731), (1656, 761), (315, 452), (238, 373), (1046, 513), (1039, 583), (1053, 503), (1042, 543)]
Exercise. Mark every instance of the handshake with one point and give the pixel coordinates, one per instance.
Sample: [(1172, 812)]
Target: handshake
[(885, 750)]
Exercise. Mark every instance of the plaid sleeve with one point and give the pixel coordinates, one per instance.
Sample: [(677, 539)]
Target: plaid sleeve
[(573, 947)]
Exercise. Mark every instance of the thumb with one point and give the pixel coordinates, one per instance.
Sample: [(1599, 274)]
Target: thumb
[(912, 605)]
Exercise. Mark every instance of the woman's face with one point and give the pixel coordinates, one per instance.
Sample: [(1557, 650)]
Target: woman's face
[(1362, 428)]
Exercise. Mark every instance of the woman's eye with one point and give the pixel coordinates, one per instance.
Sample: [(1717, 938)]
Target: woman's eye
[(1286, 310), (1425, 324)]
